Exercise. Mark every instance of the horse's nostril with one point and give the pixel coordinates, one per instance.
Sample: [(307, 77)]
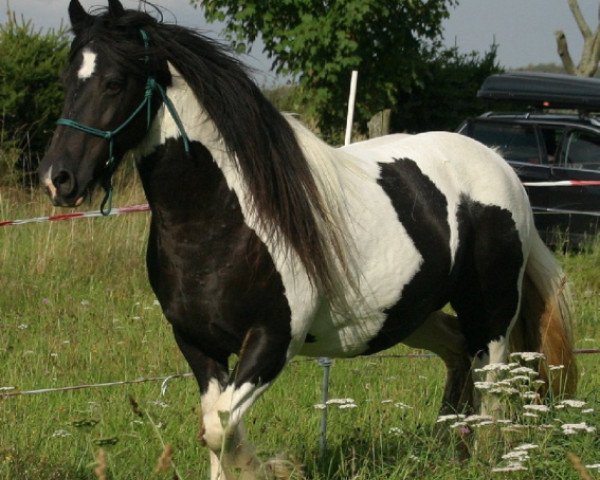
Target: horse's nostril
[(65, 183)]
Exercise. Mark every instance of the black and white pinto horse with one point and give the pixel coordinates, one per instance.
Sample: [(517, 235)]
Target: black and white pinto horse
[(266, 243)]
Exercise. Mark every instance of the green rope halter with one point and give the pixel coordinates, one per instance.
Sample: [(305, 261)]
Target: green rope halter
[(110, 167)]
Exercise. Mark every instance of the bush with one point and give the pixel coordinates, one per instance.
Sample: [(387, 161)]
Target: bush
[(446, 93), (30, 94)]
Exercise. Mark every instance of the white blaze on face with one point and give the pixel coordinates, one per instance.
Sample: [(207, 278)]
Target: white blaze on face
[(88, 65)]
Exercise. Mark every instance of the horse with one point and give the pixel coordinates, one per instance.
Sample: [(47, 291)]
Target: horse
[(266, 243)]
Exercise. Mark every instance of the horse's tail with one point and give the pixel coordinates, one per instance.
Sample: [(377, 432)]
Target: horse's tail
[(544, 324)]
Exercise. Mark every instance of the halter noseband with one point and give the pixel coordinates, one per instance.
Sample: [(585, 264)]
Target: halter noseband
[(110, 166)]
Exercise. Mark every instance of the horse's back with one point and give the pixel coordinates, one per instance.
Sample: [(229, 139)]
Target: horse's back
[(459, 166)]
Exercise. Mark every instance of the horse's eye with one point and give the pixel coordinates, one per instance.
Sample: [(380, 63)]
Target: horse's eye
[(114, 86)]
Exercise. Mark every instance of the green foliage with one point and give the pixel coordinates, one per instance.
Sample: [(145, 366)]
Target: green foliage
[(322, 42), (30, 96), (446, 92)]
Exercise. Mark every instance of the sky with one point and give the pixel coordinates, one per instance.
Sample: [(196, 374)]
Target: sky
[(523, 29)]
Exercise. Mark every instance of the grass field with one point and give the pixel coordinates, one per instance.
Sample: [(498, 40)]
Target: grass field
[(76, 308)]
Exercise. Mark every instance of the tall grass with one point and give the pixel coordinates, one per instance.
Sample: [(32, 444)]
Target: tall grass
[(75, 307)]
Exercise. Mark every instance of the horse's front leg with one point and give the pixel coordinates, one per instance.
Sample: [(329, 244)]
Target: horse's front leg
[(225, 399)]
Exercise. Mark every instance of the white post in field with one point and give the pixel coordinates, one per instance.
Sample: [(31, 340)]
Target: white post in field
[(351, 102)]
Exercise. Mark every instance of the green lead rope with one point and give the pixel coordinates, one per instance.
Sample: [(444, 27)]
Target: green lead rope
[(110, 167)]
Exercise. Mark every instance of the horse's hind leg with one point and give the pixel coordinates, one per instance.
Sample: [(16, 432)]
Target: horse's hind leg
[(487, 294), (441, 334)]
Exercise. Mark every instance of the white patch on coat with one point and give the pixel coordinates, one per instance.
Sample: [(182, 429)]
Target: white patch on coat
[(88, 64), (225, 414)]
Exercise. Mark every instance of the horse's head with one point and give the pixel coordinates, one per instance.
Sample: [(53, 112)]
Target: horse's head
[(107, 109)]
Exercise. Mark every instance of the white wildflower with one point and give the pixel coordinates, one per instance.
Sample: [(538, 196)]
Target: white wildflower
[(553, 368), (493, 367), (477, 418), (527, 446), (85, 303), (61, 434), (339, 401), (573, 403), (595, 466), (529, 395), (401, 405), (573, 428), (320, 406), (587, 411), (511, 467), (519, 378), (520, 455), (23, 326), (483, 385), (531, 415), (446, 418), (523, 370), (347, 405), (387, 401), (458, 425), (537, 408), (528, 356), (504, 390), (395, 431)]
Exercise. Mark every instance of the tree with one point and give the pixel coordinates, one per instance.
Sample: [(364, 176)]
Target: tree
[(590, 56), (447, 94), (30, 96), (321, 42)]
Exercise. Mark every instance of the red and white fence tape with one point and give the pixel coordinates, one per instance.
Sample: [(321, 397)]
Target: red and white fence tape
[(145, 208), (565, 183), (71, 216)]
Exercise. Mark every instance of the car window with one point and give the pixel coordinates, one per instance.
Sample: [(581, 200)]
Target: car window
[(583, 151), (513, 142), (552, 137)]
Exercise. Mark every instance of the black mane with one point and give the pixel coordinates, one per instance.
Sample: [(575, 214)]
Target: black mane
[(260, 139)]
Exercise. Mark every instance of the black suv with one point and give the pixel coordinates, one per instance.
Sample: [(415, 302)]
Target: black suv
[(554, 146)]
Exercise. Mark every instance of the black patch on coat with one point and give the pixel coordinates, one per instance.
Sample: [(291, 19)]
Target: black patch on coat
[(214, 278), (489, 259), (423, 211)]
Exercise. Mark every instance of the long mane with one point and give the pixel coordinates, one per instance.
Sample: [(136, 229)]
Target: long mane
[(286, 198)]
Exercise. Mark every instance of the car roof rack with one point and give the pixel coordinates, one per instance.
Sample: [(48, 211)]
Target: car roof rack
[(544, 90)]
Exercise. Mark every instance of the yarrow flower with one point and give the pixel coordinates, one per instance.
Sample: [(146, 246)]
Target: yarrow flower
[(446, 418), (511, 467), (494, 367), (528, 356), (519, 455), (537, 408), (572, 403), (527, 446), (573, 428)]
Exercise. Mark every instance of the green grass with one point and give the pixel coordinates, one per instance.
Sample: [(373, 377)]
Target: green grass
[(76, 308)]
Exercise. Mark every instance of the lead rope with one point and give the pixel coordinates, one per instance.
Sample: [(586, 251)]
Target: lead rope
[(110, 166)]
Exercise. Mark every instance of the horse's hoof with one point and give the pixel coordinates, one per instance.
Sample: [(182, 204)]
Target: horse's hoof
[(283, 469)]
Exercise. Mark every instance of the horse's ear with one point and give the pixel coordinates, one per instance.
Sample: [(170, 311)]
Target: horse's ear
[(77, 15), (115, 9)]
